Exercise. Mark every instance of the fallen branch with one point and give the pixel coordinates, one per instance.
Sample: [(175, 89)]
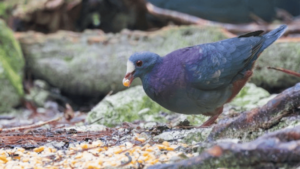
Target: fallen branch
[(286, 71), (264, 117), (187, 19), (275, 150), (30, 126), (176, 16)]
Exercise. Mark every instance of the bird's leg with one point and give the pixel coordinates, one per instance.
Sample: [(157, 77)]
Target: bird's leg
[(212, 119), (239, 84)]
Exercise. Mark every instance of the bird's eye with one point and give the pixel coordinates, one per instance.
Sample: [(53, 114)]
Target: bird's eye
[(139, 63)]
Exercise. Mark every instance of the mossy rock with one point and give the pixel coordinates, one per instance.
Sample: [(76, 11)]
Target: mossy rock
[(11, 69), (279, 54), (126, 106), (93, 63)]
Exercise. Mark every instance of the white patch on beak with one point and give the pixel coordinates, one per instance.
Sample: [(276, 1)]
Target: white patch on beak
[(130, 67)]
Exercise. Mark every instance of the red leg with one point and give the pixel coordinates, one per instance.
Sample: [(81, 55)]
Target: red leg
[(239, 84), (212, 119)]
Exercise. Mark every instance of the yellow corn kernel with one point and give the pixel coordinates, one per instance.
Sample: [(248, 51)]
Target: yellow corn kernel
[(154, 161), (126, 82), (118, 150), (145, 154), (73, 162), (150, 149), (53, 150), (79, 156), (165, 143), (160, 147), (3, 158), (169, 148), (141, 139), (22, 150), (100, 161), (16, 157), (25, 160), (92, 166), (52, 167), (133, 162), (147, 158), (84, 146), (38, 150)]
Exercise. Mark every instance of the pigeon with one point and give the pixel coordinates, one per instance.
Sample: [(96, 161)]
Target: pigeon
[(200, 79)]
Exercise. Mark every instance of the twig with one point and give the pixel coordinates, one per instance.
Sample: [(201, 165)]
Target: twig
[(6, 117), (127, 162), (30, 126), (286, 71)]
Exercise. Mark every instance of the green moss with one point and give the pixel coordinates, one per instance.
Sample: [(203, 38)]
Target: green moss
[(250, 97), (125, 106)]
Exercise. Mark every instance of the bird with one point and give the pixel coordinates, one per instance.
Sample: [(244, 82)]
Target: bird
[(200, 79)]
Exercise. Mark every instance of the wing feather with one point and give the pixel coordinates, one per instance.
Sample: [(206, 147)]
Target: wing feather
[(215, 65)]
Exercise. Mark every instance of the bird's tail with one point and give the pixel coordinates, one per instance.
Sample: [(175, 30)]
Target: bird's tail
[(273, 35)]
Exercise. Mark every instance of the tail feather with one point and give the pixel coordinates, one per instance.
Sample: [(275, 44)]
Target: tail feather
[(273, 35)]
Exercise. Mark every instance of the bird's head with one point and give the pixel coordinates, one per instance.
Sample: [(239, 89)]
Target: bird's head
[(138, 65)]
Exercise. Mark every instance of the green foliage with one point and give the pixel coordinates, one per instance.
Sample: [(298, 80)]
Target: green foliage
[(11, 69), (3, 9), (11, 57)]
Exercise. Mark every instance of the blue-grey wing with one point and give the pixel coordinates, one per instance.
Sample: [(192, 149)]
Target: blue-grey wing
[(214, 65)]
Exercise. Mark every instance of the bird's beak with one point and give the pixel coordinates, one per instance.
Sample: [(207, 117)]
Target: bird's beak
[(128, 79), (129, 74)]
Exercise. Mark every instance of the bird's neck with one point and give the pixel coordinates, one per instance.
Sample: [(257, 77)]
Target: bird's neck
[(147, 78)]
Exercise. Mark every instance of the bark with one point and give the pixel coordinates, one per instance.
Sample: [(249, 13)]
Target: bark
[(274, 150), (259, 118)]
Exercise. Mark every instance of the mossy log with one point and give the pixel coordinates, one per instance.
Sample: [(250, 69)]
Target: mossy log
[(255, 122), (93, 63), (275, 150)]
